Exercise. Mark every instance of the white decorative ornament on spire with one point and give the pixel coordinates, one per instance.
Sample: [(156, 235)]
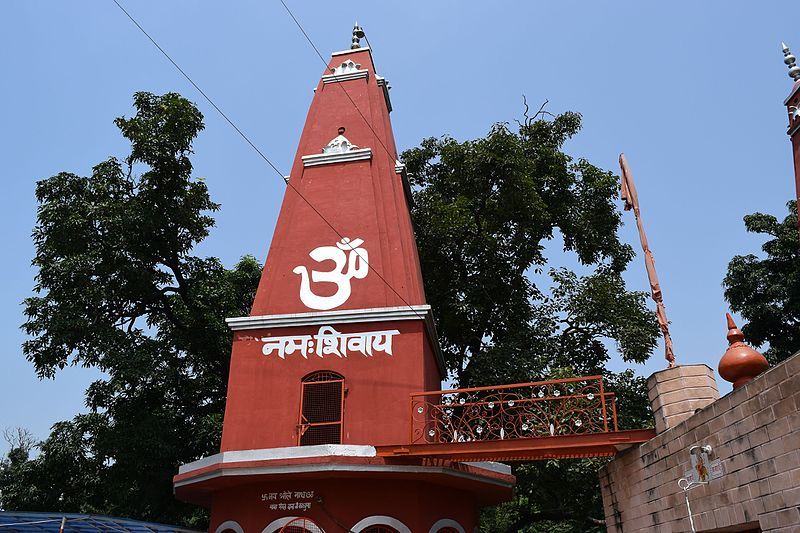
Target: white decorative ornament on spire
[(346, 71), (346, 68), (338, 150), (339, 145), (791, 62)]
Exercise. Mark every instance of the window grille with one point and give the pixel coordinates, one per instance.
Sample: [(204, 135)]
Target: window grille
[(300, 525), (322, 404)]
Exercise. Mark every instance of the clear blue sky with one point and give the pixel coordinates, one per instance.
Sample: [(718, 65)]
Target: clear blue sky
[(691, 91)]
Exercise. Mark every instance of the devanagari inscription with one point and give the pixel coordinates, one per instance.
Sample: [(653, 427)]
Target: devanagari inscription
[(328, 342)]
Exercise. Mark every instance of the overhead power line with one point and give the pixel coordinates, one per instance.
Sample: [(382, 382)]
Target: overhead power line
[(190, 80), (392, 157)]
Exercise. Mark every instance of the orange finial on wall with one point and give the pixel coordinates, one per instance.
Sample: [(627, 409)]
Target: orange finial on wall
[(740, 363)]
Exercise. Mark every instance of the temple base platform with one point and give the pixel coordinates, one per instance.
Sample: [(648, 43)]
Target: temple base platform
[(340, 488)]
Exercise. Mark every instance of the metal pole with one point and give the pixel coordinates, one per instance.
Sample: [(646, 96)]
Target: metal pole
[(689, 508), (686, 486)]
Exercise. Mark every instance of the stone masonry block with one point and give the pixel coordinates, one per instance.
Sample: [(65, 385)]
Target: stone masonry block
[(722, 517), (771, 448), (764, 417), (793, 364), (791, 496), (686, 407), (766, 469), (733, 415), (790, 442), (679, 383), (789, 517), (784, 407), (759, 437), (790, 386), (788, 461), (777, 429), (768, 397), (773, 376), (723, 405), (683, 394), (780, 482)]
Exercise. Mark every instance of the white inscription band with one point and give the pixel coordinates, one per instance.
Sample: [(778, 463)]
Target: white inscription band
[(328, 341)]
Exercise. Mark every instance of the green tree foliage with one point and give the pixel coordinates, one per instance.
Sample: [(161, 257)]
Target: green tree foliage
[(766, 291), (484, 212), (119, 289)]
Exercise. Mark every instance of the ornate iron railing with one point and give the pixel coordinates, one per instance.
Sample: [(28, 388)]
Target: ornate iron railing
[(539, 409)]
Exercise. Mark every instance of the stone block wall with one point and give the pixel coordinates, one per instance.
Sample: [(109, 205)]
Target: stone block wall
[(754, 430), (676, 393)]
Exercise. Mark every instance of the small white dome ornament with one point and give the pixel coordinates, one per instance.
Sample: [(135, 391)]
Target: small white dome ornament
[(339, 144), (791, 62)]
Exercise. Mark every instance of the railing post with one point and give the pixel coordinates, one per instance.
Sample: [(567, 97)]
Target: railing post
[(603, 404), (411, 421)]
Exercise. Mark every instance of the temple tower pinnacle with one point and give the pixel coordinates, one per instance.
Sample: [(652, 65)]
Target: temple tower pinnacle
[(792, 104)]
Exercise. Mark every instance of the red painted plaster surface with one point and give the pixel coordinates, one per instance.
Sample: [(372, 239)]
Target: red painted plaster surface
[(264, 391), (360, 199), (794, 126), (347, 501)]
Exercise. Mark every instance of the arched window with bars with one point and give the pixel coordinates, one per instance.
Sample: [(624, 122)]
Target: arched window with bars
[(321, 408)]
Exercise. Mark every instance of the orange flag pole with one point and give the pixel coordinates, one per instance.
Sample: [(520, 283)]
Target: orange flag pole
[(629, 196)]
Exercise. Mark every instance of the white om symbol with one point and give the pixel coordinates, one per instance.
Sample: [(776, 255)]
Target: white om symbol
[(357, 267)]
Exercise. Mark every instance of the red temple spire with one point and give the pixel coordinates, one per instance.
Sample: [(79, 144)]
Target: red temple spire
[(344, 238), (341, 293)]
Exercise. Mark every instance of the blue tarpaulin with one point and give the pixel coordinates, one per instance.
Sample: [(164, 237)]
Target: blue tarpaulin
[(22, 522)]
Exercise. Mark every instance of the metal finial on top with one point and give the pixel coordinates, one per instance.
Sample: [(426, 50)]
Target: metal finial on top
[(358, 34), (791, 62)]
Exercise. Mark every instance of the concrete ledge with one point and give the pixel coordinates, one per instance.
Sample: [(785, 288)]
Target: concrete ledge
[(352, 51), (274, 454), (319, 318), (336, 78), (315, 160)]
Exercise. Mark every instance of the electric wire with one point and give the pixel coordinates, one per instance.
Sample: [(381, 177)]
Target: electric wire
[(209, 100), (392, 158), (264, 157)]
